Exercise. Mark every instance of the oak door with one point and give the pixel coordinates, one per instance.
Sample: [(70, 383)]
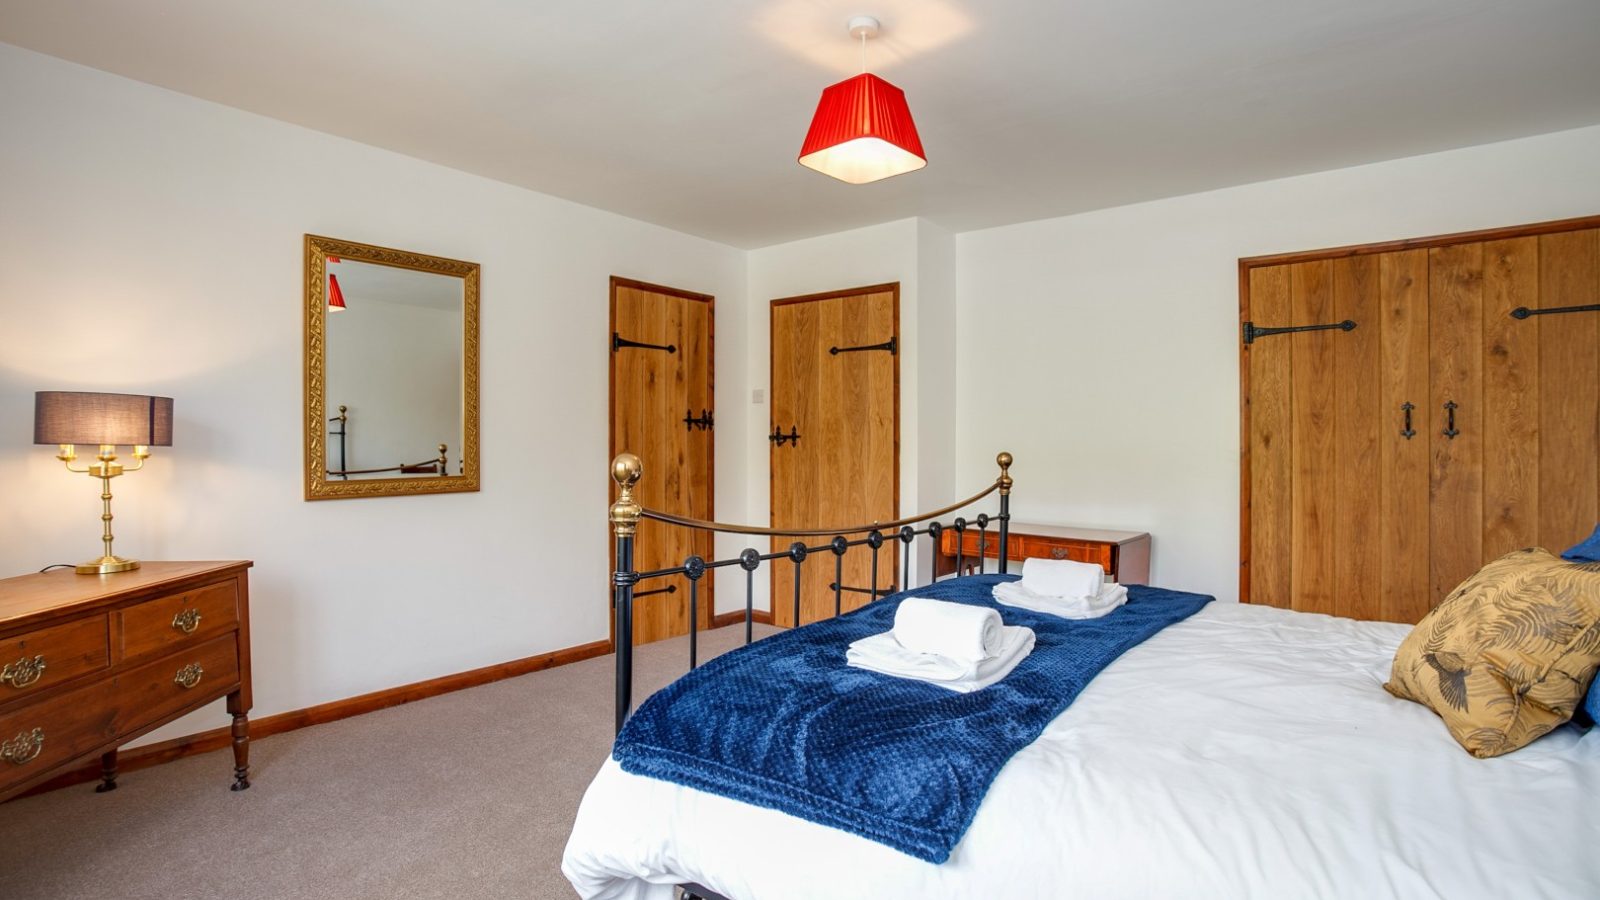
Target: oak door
[(835, 383), (1388, 463), (662, 411)]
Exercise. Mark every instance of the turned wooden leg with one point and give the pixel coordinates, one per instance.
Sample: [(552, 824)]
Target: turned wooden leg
[(108, 772), (241, 744)]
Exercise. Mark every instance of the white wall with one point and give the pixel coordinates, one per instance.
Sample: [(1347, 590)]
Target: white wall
[(150, 241), (1103, 349)]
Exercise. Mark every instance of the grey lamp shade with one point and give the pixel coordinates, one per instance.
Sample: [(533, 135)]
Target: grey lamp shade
[(78, 417)]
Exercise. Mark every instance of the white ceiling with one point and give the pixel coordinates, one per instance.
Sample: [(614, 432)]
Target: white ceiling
[(691, 115)]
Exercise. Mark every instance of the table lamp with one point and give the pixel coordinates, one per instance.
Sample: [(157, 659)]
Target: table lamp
[(69, 418)]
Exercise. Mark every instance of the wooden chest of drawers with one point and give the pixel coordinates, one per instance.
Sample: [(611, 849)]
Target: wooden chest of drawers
[(1125, 555), (89, 662)]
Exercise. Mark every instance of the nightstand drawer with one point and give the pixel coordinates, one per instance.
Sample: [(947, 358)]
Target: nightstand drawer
[(167, 623), (39, 659)]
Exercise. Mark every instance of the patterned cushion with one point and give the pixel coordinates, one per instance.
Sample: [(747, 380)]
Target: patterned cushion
[(1509, 654)]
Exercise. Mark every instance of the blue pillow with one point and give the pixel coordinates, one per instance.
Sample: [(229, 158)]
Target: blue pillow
[(1587, 551), (1589, 712)]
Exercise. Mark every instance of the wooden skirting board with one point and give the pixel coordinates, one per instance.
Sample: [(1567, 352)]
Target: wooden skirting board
[(760, 617), (217, 738)]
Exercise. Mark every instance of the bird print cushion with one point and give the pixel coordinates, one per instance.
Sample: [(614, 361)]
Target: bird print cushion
[(1508, 656)]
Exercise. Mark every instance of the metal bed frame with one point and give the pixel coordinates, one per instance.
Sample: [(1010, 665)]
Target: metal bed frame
[(626, 470)]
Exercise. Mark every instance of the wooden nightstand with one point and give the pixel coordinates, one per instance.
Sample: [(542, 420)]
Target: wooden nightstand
[(1125, 555)]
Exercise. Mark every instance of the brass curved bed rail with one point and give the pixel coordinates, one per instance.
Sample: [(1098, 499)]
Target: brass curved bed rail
[(626, 513)]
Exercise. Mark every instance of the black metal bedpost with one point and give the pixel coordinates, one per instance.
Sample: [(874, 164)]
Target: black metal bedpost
[(797, 552), (1004, 459), (839, 545), (694, 568), (625, 512)]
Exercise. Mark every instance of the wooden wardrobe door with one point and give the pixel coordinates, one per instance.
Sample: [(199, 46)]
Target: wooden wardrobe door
[(844, 469), (1338, 493), (653, 390)]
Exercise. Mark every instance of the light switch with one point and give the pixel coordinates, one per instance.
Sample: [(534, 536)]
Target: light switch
[(758, 396)]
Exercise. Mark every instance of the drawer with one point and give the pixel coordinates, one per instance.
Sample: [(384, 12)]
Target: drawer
[(167, 623), (38, 737), (35, 660), (1062, 548), (970, 541)]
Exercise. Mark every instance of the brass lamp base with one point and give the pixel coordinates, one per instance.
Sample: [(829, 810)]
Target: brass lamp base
[(105, 565)]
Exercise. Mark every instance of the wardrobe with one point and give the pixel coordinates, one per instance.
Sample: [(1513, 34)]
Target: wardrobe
[(1414, 409)]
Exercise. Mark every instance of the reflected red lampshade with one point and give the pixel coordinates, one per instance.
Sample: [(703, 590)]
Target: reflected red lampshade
[(862, 132), (335, 296)]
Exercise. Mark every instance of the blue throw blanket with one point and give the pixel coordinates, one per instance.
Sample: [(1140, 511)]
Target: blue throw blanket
[(785, 724)]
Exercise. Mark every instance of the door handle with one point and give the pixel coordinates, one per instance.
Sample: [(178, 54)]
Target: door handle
[(1408, 432), (1450, 430), (779, 438)]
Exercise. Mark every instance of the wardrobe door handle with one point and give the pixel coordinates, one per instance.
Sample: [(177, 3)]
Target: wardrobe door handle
[(1408, 432), (1450, 430)]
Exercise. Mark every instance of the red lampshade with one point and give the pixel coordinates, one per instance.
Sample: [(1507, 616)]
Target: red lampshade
[(335, 296), (862, 132)]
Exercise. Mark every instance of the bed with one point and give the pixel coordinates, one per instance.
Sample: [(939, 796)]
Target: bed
[(1244, 751)]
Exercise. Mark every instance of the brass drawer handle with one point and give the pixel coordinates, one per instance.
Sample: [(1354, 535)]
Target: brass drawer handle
[(187, 621), (1058, 553), (189, 675), (23, 672), (24, 748)]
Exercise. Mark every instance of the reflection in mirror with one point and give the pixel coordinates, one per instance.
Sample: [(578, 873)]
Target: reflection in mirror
[(394, 371), (391, 371)]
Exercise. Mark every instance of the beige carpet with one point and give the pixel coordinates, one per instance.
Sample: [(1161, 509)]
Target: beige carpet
[(468, 795)]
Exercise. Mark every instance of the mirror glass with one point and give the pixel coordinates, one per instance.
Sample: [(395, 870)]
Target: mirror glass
[(394, 371), (394, 382)]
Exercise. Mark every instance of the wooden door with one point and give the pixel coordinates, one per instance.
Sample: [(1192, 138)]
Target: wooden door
[(1350, 510), (835, 382), (662, 411), (1337, 496)]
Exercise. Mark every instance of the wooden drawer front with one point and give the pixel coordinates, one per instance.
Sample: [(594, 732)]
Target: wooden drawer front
[(159, 624), (969, 544), (39, 659), (1062, 548), (37, 737)]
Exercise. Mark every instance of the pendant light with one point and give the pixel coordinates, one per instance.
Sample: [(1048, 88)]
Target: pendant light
[(862, 130)]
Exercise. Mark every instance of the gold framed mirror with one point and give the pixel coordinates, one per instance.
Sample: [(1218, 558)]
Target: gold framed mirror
[(391, 372)]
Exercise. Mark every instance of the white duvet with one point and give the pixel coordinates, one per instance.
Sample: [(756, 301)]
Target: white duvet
[(1245, 752)]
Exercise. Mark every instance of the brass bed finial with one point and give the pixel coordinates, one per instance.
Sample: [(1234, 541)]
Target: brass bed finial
[(626, 470), (1004, 459)]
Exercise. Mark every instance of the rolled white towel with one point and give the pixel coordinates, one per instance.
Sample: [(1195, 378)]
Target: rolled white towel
[(883, 654), (1015, 593), (1062, 577), (966, 634)]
